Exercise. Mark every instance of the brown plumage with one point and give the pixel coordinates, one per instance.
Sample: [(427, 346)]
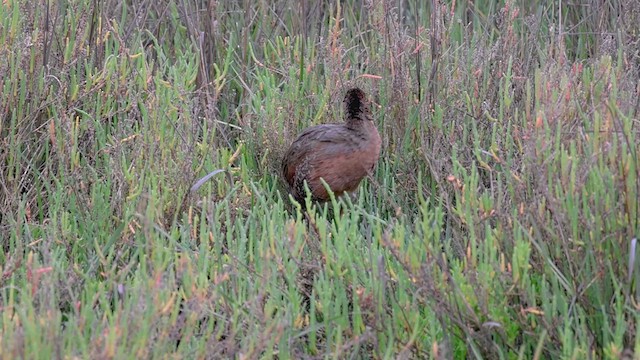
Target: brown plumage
[(341, 154)]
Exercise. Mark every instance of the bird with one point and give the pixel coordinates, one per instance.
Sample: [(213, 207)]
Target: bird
[(340, 154)]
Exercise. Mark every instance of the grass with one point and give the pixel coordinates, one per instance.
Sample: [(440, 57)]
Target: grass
[(501, 221)]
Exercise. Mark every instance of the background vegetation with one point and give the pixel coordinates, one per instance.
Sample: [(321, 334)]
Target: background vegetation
[(500, 223)]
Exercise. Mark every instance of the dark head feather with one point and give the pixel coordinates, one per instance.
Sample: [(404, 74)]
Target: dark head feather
[(355, 103)]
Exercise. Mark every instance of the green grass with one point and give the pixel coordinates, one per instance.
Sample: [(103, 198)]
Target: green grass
[(499, 222)]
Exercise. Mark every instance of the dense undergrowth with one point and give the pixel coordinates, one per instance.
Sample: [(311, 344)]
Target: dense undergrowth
[(500, 222)]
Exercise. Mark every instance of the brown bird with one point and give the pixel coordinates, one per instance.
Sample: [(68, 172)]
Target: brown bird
[(341, 154)]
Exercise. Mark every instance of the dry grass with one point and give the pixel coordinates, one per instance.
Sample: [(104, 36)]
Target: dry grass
[(499, 223)]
